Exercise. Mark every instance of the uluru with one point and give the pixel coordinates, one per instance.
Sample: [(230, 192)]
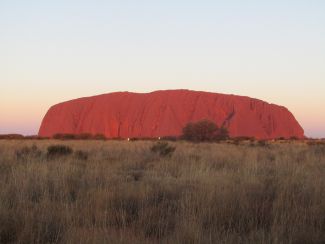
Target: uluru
[(165, 113)]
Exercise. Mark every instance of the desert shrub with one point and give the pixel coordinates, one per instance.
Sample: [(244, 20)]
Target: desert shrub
[(99, 137), (262, 143), (116, 138), (58, 150), (244, 138), (312, 142), (11, 136), (280, 138), (236, 141), (60, 136), (163, 149), (200, 131), (204, 130), (252, 143), (133, 139), (146, 139), (169, 138), (33, 137), (28, 152), (81, 155), (222, 134), (84, 136)]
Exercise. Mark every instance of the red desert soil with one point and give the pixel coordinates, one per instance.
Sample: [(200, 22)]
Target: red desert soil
[(165, 113)]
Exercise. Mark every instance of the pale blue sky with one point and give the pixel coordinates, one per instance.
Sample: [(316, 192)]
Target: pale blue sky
[(51, 51)]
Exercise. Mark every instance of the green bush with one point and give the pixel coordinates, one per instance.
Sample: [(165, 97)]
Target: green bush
[(204, 130)]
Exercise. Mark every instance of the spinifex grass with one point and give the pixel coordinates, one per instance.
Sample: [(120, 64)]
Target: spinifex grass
[(122, 192)]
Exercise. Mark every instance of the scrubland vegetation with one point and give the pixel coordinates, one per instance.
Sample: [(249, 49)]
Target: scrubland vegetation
[(169, 192)]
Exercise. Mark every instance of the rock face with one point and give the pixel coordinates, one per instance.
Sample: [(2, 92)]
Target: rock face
[(165, 113)]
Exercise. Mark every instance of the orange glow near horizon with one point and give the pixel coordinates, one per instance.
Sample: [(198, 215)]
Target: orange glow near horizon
[(25, 118)]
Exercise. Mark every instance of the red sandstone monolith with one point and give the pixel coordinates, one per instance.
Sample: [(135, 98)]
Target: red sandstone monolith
[(165, 113)]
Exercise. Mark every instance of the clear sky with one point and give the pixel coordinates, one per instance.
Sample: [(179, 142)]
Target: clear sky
[(52, 51)]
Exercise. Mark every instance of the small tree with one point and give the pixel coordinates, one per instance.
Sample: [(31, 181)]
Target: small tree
[(204, 130)]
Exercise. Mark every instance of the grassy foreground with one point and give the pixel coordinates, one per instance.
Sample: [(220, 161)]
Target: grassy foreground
[(122, 192)]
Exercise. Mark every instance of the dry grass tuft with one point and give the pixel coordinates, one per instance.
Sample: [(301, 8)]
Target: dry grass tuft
[(163, 149)]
